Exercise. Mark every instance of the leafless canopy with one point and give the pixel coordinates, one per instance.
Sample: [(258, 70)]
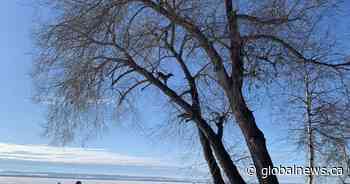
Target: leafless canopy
[(201, 54)]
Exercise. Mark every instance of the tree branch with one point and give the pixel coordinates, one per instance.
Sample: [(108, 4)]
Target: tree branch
[(294, 50), (273, 21), (196, 32)]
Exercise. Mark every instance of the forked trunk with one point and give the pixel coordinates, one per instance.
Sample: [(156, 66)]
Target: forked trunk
[(210, 159), (222, 156)]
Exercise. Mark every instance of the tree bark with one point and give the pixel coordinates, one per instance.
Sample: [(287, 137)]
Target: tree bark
[(310, 141), (210, 159), (253, 135), (207, 150), (218, 147), (255, 140), (221, 154)]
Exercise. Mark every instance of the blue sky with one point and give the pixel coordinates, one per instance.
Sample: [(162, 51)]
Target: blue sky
[(20, 118)]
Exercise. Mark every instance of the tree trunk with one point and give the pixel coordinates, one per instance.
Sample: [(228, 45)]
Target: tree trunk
[(310, 141), (221, 154), (226, 162), (210, 159), (311, 155), (254, 137)]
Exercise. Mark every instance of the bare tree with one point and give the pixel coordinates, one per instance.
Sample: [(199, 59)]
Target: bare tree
[(115, 48), (92, 53), (322, 103)]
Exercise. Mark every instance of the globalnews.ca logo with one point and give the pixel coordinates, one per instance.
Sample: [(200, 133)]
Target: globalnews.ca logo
[(297, 170)]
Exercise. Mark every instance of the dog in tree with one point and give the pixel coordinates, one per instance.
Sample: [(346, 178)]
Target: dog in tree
[(164, 77)]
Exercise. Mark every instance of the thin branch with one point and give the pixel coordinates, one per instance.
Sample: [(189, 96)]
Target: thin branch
[(294, 50)]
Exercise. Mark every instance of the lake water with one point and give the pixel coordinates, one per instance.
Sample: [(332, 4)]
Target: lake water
[(23, 180)]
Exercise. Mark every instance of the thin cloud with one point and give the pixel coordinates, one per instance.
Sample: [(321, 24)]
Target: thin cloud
[(70, 155)]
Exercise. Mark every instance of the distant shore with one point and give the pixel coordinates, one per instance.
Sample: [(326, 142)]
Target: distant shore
[(68, 176), (37, 180)]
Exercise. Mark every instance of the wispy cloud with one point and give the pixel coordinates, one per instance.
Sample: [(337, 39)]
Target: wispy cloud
[(51, 154)]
